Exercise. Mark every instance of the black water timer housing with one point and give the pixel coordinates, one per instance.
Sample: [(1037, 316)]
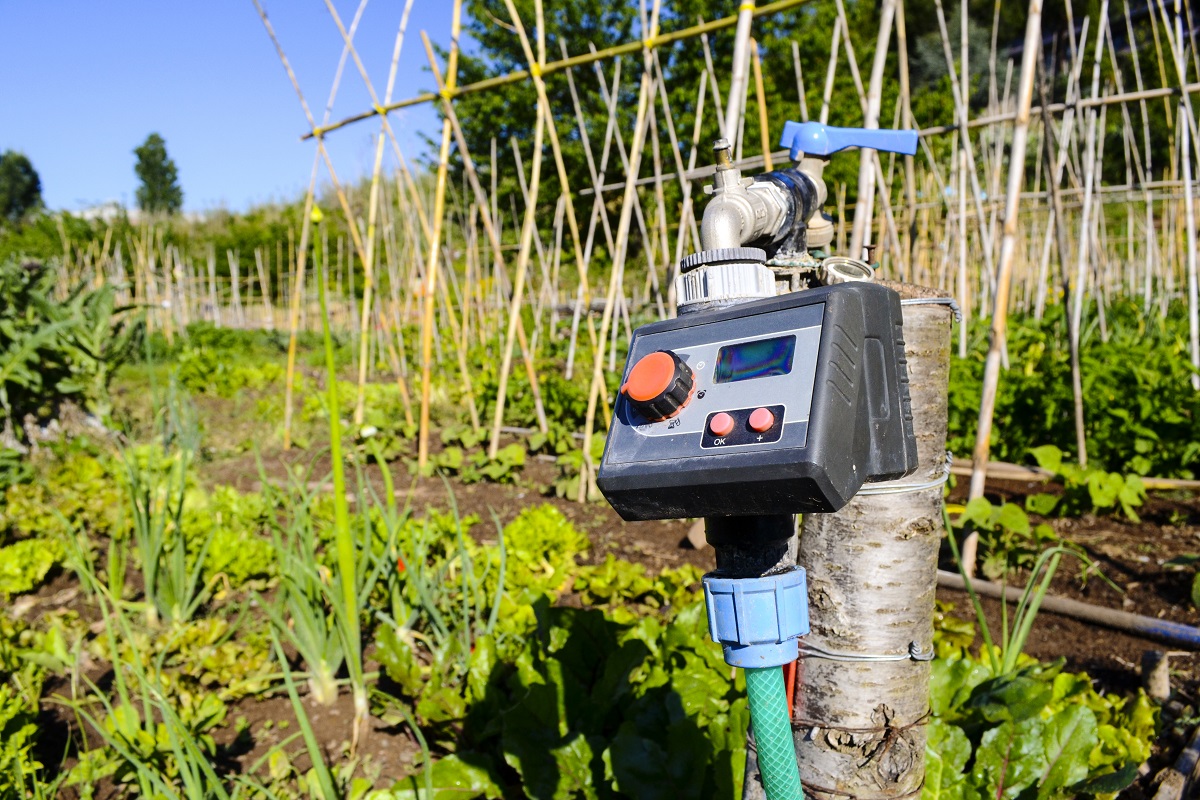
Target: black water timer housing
[(778, 406)]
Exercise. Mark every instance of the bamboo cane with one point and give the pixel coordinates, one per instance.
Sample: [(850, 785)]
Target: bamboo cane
[(432, 262), (830, 71), (560, 167), (494, 238), (215, 308), (1189, 214), (641, 125), (866, 164), (324, 156), (264, 284), (959, 90), (760, 96), (294, 313), (799, 82), (1016, 175), (235, 282), (910, 175), (742, 43), (627, 48), (514, 311), (1077, 295)]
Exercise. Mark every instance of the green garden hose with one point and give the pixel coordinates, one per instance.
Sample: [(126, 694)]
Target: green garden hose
[(773, 734)]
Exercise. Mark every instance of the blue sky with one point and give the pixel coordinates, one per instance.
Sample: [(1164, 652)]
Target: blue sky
[(84, 82)]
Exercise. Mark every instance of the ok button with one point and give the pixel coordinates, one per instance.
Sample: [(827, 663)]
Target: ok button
[(721, 424)]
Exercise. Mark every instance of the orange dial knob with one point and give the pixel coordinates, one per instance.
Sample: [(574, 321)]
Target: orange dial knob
[(659, 385)]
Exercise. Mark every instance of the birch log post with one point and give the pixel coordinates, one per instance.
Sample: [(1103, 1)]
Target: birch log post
[(859, 725)]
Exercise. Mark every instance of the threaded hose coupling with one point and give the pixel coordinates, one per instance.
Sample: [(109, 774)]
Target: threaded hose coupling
[(757, 620)]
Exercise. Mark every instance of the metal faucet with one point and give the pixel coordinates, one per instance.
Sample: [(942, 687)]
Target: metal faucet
[(758, 230)]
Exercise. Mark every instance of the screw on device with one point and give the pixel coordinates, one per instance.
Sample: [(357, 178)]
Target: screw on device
[(758, 620)]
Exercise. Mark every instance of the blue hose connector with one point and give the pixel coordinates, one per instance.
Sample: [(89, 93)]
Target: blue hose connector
[(757, 620)]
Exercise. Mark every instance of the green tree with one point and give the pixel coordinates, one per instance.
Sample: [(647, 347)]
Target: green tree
[(160, 190), (20, 187)]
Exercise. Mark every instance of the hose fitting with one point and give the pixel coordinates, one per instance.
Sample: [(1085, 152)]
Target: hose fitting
[(757, 620)]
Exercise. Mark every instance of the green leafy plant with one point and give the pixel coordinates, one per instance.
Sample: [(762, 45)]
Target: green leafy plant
[(1030, 731), (951, 633), (504, 468), (54, 349), (1141, 415), (206, 371), (201, 657), (627, 591), (157, 487), (448, 597), (476, 467), (570, 468), (516, 695), (1008, 541), (1084, 488), (462, 435), (671, 721), (14, 469), (159, 745), (19, 769), (239, 555), (998, 730), (302, 607), (24, 565), (70, 484), (1003, 658)]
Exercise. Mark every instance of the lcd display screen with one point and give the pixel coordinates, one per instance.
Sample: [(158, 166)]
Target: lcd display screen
[(758, 359)]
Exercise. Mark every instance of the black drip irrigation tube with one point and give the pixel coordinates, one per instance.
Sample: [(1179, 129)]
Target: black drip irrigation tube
[(1175, 633)]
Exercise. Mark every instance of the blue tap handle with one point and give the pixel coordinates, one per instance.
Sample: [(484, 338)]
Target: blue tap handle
[(815, 139)]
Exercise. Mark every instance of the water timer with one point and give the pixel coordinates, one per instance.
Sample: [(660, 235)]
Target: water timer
[(782, 405)]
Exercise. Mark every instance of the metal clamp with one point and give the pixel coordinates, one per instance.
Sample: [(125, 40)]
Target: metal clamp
[(915, 653), (906, 488), (935, 301)]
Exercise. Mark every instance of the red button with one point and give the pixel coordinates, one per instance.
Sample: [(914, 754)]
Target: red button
[(721, 424), (650, 377), (761, 420)]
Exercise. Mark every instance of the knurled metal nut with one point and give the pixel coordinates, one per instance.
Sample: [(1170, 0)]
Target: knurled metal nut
[(722, 255)]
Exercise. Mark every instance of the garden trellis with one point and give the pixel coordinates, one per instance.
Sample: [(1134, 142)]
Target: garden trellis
[(423, 252)]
